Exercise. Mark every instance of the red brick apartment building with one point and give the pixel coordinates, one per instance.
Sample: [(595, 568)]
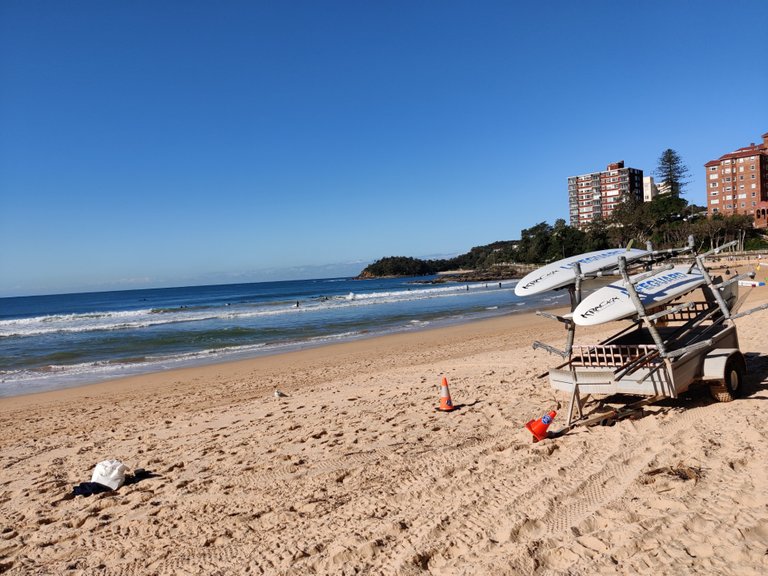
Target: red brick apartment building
[(737, 183), (596, 195)]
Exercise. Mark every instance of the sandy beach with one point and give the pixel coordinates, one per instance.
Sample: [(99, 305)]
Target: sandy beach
[(354, 472)]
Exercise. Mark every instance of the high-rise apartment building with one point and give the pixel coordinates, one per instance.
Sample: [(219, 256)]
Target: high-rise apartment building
[(596, 195), (737, 183)]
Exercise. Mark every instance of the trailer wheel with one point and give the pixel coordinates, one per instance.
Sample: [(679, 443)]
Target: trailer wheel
[(731, 386)]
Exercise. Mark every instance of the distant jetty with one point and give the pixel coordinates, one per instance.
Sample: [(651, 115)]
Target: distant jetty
[(493, 274)]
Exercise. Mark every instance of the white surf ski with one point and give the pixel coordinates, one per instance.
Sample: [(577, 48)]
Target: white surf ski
[(561, 273), (612, 302)]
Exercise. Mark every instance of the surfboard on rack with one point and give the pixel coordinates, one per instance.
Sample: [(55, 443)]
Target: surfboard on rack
[(561, 273), (612, 302)]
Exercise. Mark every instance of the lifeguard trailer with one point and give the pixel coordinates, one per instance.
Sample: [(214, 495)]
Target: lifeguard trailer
[(666, 348)]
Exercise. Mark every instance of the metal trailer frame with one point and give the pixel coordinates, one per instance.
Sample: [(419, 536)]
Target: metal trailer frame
[(666, 349)]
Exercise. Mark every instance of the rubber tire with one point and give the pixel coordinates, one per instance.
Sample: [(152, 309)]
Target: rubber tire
[(732, 384)]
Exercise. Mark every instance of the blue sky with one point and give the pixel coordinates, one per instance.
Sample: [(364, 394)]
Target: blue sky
[(150, 143)]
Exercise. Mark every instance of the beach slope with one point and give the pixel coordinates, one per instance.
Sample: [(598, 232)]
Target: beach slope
[(353, 471)]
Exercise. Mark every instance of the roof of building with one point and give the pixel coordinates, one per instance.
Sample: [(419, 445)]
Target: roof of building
[(750, 150), (610, 168), (740, 153)]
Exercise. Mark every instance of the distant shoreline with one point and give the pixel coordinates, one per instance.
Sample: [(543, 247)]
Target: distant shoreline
[(521, 316), (305, 355)]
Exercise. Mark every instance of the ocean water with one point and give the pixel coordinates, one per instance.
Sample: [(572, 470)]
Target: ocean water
[(57, 341)]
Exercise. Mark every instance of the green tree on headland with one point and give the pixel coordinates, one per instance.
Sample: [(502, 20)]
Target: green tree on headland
[(672, 172), (401, 266), (478, 258)]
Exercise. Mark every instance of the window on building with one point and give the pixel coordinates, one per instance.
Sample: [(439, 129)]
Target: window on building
[(713, 168), (752, 176), (713, 184)]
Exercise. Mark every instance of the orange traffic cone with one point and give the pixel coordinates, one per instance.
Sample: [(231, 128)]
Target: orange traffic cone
[(539, 427), (445, 397)]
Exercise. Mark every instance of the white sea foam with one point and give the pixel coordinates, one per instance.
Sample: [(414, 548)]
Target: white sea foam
[(94, 321), (13, 382), (145, 318), (246, 315)]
